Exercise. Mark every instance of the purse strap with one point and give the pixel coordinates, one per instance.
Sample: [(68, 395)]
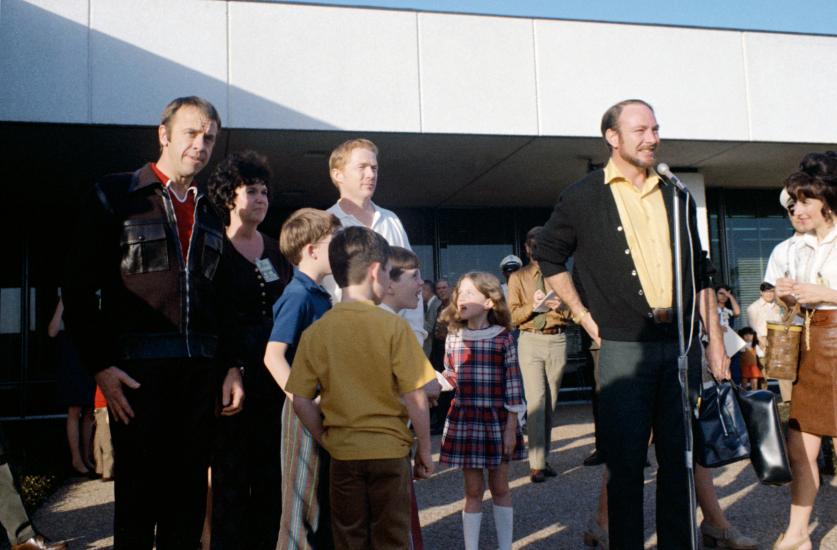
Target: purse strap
[(790, 314)]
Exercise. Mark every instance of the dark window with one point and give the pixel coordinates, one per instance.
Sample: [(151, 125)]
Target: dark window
[(745, 226)]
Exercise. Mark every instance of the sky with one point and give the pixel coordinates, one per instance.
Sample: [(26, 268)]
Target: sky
[(796, 16)]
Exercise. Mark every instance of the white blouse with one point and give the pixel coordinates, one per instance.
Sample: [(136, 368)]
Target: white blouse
[(817, 262)]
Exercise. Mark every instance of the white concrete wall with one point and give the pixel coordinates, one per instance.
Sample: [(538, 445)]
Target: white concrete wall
[(697, 187), (281, 66), (311, 67)]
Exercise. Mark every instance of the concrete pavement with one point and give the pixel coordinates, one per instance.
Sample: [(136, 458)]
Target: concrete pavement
[(550, 515)]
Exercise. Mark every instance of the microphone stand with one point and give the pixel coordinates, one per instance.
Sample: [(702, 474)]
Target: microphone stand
[(683, 361)]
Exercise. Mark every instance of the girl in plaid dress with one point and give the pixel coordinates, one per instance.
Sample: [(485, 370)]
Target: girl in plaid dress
[(482, 430)]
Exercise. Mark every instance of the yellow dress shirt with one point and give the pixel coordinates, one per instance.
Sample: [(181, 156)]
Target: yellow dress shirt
[(645, 222)]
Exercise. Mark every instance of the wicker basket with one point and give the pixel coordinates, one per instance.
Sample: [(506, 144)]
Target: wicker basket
[(781, 360)]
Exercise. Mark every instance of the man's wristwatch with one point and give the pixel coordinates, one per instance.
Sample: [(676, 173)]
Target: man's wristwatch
[(582, 314)]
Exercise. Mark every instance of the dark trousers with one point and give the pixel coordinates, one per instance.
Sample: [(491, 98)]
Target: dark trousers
[(591, 358), (247, 469), (161, 457), (640, 391), (370, 503)]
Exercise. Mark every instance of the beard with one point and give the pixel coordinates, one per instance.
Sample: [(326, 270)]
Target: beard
[(636, 160)]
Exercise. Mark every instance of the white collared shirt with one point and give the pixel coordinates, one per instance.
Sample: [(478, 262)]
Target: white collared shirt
[(760, 312), (817, 261), (389, 309), (386, 224), (782, 262)]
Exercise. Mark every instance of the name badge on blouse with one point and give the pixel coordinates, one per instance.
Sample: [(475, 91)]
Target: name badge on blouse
[(266, 269)]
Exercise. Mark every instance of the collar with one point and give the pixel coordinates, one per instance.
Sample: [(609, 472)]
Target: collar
[(612, 174), (167, 184), (164, 179), (191, 190), (149, 174), (531, 267), (810, 239), (481, 334), (307, 282), (343, 214), (357, 304), (387, 308), (144, 177)]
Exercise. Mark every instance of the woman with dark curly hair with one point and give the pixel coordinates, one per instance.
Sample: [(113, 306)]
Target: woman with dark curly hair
[(813, 411), (246, 470)]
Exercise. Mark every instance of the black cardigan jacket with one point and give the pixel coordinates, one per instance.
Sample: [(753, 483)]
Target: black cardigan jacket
[(586, 226)]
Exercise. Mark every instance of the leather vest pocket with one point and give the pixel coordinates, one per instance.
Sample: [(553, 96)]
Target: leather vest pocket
[(144, 247), (213, 243)]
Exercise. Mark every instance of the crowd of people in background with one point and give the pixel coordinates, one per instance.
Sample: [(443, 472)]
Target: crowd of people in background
[(270, 392)]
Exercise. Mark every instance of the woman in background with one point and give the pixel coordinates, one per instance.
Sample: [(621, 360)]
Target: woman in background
[(75, 389)]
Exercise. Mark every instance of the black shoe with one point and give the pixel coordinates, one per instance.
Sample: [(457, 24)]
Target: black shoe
[(537, 476), (89, 474), (549, 472), (595, 459)]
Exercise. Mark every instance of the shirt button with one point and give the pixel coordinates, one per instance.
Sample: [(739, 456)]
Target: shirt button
[(641, 293), (261, 284), (650, 315), (619, 228), (633, 273), (627, 251), (263, 294)]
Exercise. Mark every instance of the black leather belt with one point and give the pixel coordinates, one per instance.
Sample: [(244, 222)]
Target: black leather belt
[(663, 315), (550, 330)]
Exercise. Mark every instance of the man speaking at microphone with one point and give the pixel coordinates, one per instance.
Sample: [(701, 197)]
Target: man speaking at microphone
[(617, 225)]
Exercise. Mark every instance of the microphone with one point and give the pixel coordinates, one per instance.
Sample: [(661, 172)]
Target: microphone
[(669, 176)]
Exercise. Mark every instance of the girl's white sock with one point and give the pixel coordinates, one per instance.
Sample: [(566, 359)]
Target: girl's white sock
[(471, 529), (504, 523)]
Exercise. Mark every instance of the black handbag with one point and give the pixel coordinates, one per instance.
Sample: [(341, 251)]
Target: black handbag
[(768, 451), (721, 435)]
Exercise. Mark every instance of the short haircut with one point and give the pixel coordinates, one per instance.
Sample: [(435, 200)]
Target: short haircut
[(610, 119), (242, 168), (206, 108), (802, 185), (764, 287), (305, 226), (342, 152), (490, 287), (400, 260), (437, 281), (532, 240), (352, 251)]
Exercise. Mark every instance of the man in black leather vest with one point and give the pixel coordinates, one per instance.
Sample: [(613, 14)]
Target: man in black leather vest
[(151, 242)]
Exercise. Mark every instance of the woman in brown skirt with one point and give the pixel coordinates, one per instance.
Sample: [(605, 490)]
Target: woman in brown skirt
[(814, 406)]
